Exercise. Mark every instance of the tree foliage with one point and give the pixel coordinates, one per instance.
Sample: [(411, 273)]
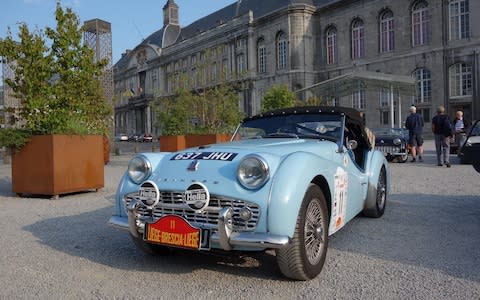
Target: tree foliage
[(278, 96), (212, 108), (57, 86)]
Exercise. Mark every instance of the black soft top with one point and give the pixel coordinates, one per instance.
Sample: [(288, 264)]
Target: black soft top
[(354, 119), (352, 114)]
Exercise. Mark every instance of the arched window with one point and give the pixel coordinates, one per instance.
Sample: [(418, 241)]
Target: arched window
[(358, 39), (420, 24), (387, 36), (460, 80), (261, 56), (423, 79), (282, 51), (331, 43), (459, 13)]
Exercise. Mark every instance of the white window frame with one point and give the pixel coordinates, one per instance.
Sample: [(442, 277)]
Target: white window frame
[(358, 39), (282, 51), (387, 32), (261, 56), (461, 80), (459, 11), (331, 44), (420, 24), (423, 80)]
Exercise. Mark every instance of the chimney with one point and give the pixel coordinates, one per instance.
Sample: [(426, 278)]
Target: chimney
[(170, 13)]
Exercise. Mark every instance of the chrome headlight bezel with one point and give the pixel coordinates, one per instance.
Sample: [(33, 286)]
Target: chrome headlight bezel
[(139, 169), (397, 141), (248, 177)]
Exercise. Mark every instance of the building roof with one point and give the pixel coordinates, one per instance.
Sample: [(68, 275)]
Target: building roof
[(238, 8)]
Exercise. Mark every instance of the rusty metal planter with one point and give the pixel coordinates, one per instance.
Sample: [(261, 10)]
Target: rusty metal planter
[(179, 142), (58, 164)]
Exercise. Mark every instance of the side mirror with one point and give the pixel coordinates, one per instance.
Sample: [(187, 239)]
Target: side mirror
[(352, 144)]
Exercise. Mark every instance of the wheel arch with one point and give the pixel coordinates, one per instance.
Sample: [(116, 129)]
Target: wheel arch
[(322, 183)]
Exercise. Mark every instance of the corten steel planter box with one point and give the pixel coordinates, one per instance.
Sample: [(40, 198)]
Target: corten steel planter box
[(58, 164), (106, 150), (179, 142), (194, 140), (172, 143)]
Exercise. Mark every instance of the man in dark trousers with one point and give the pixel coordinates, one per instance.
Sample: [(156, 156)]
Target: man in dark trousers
[(414, 124), (442, 129)]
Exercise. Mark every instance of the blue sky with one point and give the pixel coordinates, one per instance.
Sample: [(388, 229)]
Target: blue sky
[(131, 20)]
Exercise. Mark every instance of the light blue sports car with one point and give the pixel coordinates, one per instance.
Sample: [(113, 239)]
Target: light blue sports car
[(287, 180)]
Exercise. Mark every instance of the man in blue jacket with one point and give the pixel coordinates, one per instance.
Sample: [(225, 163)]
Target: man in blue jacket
[(414, 124)]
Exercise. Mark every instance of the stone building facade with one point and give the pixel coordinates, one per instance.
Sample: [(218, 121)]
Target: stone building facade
[(257, 44)]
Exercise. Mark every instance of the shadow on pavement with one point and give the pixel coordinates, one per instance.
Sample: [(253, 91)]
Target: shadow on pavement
[(428, 231), (87, 235)]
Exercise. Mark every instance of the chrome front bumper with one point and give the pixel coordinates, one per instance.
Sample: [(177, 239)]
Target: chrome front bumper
[(224, 236)]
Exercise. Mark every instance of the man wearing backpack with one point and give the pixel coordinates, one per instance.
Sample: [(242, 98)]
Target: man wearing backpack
[(442, 129)]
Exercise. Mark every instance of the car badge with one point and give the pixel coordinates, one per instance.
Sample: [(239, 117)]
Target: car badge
[(193, 166), (197, 197), (382, 141)]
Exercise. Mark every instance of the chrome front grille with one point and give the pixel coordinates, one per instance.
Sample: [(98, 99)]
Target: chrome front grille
[(172, 203)]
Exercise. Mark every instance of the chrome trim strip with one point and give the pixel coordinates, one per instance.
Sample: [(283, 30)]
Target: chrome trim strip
[(118, 222), (256, 240)]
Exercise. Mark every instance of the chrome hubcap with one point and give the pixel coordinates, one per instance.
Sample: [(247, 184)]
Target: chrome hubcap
[(314, 232)]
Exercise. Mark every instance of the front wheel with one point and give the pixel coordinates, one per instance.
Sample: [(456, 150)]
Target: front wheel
[(304, 257)]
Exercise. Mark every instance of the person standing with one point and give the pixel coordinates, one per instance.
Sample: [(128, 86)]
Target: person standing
[(414, 124), (460, 125), (442, 129)]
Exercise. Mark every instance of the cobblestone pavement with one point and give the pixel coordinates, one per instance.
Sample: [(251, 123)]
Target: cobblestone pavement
[(427, 246)]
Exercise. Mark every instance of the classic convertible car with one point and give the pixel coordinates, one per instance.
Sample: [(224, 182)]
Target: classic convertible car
[(392, 142), (287, 180)]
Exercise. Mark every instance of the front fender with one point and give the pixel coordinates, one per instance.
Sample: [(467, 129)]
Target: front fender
[(288, 188)]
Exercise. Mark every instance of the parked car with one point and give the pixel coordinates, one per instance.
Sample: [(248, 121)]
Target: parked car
[(146, 138), (121, 137), (470, 150), (134, 137), (288, 180), (392, 142)]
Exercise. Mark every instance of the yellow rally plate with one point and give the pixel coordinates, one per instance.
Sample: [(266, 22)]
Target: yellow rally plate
[(173, 231)]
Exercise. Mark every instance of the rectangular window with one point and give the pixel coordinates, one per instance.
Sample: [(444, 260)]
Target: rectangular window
[(262, 59), (387, 33), (282, 54), (358, 99), (384, 98), (420, 27), (241, 64), (459, 20), (358, 43), (331, 47)]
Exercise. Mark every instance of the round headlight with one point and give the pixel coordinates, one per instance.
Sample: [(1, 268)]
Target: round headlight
[(252, 172), (397, 141), (139, 169)]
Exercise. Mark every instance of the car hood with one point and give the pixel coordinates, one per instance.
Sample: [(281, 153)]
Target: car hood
[(216, 165), (273, 146)]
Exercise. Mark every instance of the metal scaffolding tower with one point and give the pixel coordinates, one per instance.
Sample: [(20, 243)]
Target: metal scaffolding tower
[(98, 35)]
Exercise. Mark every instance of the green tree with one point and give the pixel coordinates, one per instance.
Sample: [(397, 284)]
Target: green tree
[(57, 86), (278, 96), (211, 108)]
